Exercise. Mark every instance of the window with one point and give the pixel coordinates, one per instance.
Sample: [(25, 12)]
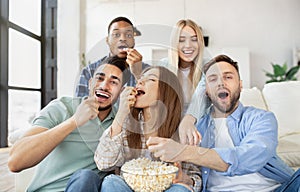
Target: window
[(28, 61)]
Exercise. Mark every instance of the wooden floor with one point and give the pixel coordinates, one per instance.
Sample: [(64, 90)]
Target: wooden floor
[(7, 178)]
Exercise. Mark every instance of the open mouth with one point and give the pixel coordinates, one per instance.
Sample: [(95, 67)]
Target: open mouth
[(123, 47), (140, 92), (101, 94), (188, 52), (223, 95)]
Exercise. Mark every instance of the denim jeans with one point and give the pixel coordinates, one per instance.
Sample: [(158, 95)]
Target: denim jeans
[(293, 185), (117, 183), (85, 180)]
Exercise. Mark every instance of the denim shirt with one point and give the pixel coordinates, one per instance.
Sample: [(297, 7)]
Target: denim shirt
[(254, 134)]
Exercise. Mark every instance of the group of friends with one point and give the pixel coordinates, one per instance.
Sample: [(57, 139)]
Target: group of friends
[(185, 110)]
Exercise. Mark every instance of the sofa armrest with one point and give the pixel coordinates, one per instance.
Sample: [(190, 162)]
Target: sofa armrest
[(23, 179)]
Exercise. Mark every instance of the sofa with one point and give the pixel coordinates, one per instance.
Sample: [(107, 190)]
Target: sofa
[(282, 98)]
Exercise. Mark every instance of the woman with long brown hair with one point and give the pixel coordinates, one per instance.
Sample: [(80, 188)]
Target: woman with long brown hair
[(152, 108)]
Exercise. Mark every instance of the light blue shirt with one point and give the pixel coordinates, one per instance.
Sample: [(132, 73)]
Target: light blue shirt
[(199, 102), (75, 152), (254, 134)]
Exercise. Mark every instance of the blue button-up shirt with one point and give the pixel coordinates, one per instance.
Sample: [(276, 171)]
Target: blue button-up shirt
[(254, 135)]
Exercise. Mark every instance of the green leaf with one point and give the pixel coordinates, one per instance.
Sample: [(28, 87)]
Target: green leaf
[(292, 72), (269, 75), (278, 70), (282, 73), (284, 67), (271, 81)]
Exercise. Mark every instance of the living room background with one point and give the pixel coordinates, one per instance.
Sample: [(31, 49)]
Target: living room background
[(268, 29)]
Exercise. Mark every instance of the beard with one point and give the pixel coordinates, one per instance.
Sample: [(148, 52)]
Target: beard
[(228, 108), (104, 108)]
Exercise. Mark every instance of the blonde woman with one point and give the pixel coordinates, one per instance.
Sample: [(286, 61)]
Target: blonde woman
[(186, 56), (186, 59)]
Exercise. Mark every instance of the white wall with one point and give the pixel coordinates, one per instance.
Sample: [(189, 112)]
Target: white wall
[(68, 45), (269, 29)]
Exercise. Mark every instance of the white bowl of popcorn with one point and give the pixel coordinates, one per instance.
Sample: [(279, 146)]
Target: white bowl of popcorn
[(145, 175)]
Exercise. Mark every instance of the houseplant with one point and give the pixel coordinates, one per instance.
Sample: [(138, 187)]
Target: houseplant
[(282, 73)]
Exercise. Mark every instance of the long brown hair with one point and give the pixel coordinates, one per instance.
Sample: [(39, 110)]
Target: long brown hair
[(170, 94)]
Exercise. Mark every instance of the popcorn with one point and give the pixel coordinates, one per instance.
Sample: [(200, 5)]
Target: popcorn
[(145, 175)]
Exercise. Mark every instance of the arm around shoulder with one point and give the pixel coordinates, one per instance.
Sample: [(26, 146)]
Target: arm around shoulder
[(204, 157)]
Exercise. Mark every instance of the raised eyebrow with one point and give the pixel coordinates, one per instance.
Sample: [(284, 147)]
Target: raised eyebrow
[(112, 76), (100, 73), (115, 77)]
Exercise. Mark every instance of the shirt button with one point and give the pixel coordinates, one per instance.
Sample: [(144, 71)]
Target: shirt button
[(205, 172)]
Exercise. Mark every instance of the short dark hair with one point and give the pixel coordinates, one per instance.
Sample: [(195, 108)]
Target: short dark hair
[(117, 20), (121, 64), (220, 58)]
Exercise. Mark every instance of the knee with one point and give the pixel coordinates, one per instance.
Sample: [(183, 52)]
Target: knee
[(179, 188), (111, 179), (113, 182), (85, 174), (83, 180)]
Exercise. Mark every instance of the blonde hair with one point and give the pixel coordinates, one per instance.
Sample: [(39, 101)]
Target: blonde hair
[(196, 68)]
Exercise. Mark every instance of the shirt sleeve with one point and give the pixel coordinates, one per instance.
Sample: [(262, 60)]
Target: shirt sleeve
[(82, 88), (109, 152), (195, 173), (52, 115), (199, 102)]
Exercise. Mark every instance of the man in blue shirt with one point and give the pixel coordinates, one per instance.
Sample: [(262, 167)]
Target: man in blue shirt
[(121, 43), (238, 147)]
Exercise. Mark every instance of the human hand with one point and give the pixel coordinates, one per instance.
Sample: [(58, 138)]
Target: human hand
[(181, 177), (87, 110), (127, 100), (134, 60), (188, 133), (166, 149)]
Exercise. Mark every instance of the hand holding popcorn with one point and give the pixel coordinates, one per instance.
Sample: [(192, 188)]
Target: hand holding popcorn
[(166, 149)]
